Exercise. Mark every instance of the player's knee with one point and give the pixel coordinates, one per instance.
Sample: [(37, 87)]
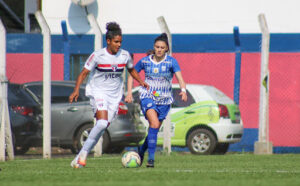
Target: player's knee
[(154, 125), (102, 124)]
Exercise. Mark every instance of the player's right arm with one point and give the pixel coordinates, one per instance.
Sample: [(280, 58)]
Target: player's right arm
[(80, 79), (128, 97), (88, 66)]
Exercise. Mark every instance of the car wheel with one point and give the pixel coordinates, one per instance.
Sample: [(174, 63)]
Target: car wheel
[(221, 148), (201, 142), (82, 136), (19, 150)]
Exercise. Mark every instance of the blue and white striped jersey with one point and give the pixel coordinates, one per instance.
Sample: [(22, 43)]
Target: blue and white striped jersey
[(159, 77)]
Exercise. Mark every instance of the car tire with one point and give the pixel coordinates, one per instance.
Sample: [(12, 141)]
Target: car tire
[(221, 148), (201, 142), (19, 150), (82, 136)]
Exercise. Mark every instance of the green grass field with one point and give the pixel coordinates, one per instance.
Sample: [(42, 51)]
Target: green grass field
[(178, 169)]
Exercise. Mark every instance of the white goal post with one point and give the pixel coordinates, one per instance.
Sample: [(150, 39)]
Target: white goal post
[(46, 84), (6, 143), (98, 149), (263, 145), (167, 123)]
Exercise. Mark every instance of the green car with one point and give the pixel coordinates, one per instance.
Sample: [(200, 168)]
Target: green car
[(207, 123)]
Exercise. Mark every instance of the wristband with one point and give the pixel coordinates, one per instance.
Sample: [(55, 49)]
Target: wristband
[(183, 90)]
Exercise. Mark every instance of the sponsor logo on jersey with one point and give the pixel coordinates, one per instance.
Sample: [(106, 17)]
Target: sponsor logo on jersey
[(112, 75)]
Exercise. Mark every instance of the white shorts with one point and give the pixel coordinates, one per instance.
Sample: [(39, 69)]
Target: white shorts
[(105, 102)]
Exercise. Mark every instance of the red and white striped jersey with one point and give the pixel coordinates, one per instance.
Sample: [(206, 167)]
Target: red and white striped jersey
[(106, 72)]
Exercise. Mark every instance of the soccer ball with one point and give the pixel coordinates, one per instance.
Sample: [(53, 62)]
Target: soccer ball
[(131, 159)]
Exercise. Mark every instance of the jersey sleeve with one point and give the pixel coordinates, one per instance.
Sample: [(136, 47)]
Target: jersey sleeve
[(175, 66), (91, 63), (139, 66), (129, 64)]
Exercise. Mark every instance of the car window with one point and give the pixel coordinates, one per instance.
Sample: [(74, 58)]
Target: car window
[(177, 98), (82, 96), (59, 93), (37, 90), (17, 95)]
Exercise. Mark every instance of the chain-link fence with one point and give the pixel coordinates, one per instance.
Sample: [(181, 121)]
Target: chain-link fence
[(24, 64)]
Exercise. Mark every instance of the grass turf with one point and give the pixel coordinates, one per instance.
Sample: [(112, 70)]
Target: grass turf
[(175, 170)]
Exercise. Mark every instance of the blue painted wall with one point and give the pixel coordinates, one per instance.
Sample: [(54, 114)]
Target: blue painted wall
[(182, 43)]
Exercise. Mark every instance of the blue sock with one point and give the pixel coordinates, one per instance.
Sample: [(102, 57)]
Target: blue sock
[(152, 139), (144, 147)]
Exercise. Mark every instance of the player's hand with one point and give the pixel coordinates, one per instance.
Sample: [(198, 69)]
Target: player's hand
[(183, 96), (73, 96), (128, 98), (144, 84)]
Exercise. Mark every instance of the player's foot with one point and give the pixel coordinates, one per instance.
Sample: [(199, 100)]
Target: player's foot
[(78, 163), (150, 164), (75, 164), (81, 162), (141, 155)]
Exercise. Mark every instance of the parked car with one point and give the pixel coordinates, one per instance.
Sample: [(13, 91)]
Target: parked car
[(25, 118), (71, 123), (207, 123)]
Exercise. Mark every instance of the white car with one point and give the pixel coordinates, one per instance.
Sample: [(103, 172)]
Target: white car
[(207, 123)]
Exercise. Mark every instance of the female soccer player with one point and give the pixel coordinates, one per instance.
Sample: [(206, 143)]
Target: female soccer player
[(156, 101), (104, 87)]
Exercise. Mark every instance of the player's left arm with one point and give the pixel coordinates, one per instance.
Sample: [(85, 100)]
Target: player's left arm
[(182, 86), (176, 69)]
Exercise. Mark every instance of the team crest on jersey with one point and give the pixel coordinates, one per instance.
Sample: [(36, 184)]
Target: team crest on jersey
[(163, 68), (114, 67), (155, 70)]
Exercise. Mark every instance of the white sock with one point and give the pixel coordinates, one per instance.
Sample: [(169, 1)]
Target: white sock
[(95, 134)]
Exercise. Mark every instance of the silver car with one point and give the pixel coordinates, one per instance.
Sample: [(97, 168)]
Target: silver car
[(71, 123)]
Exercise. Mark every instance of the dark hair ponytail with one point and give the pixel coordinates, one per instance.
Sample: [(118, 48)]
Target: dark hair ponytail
[(113, 29), (162, 37)]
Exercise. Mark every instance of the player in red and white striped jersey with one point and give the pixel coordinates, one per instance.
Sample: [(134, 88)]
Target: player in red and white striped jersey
[(104, 87)]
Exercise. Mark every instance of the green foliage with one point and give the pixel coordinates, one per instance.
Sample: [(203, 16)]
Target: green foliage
[(178, 169)]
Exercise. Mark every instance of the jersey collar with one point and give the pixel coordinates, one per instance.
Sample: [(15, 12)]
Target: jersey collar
[(151, 56)]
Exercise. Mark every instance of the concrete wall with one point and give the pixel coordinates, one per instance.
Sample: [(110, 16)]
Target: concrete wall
[(188, 16)]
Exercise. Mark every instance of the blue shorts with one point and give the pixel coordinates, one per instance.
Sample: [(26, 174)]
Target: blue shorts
[(162, 110)]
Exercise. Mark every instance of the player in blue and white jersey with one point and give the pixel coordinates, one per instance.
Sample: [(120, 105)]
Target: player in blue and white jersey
[(156, 101), (104, 86)]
